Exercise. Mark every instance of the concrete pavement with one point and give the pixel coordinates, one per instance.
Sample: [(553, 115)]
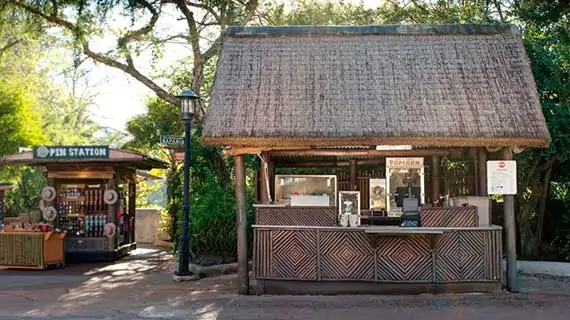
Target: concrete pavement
[(141, 287)]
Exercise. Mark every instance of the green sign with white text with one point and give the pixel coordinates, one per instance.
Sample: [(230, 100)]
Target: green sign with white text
[(71, 152)]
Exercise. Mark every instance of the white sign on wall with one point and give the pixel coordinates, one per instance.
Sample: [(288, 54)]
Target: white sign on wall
[(404, 163), (502, 177)]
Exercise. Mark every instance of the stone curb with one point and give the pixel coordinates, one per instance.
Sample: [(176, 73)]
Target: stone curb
[(210, 271), (217, 270)]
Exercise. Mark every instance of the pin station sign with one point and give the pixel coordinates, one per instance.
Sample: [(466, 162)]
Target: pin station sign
[(71, 152)]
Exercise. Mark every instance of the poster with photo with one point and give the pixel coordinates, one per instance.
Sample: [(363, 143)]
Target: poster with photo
[(377, 194)]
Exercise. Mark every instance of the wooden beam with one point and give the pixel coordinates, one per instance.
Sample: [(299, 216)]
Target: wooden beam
[(435, 178), (482, 171), (241, 221), (257, 150), (361, 153), (272, 178), (353, 175), (511, 233), (132, 194), (264, 183), (80, 175), (475, 158), (319, 164)]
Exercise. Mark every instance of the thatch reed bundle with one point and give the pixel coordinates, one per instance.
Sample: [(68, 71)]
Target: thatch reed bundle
[(451, 85)]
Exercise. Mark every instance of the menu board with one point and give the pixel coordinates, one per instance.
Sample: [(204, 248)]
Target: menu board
[(502, 177)]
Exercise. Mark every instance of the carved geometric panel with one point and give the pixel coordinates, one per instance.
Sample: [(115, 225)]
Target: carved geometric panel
[(292, 216), (262, 253), (460, 256), (404, 258), (345, 255), (294, 254), (450, 217)]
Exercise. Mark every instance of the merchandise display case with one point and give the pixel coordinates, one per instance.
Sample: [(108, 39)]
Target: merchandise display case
[(82, 211), (349, 208), (306, 190)]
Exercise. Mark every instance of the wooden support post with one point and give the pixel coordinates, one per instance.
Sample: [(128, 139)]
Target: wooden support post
[(511, 235), (241, 221), (265, 192), (435, 170), (132, 210), (476, 169), (272, 178), (113, 184), (353, 175), (482, 171)]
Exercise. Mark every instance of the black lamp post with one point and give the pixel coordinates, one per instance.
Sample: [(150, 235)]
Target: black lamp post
[(188, 100)]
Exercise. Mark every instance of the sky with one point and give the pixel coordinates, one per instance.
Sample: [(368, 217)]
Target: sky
[(118, 96)]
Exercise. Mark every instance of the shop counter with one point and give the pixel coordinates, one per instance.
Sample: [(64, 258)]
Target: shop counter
[(31, 250), (376, 259)]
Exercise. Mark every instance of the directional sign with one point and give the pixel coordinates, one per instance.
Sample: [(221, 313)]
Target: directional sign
[(179, 156), (172, 140)]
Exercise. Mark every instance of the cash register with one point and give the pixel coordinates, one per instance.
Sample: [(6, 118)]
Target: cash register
[(408, 198)]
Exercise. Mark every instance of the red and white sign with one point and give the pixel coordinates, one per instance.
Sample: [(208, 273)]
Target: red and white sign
[(179, 156), (502, 177)]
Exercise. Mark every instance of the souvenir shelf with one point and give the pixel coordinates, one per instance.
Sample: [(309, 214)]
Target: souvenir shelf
[(82, 211)]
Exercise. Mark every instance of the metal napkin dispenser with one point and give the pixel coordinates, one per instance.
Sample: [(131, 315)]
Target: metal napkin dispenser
[(411, 213)]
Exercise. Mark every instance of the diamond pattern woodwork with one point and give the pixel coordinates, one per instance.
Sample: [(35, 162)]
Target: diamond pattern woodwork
[(294, 254), (345, 256), (296, 216), (327, 254), (261, 254), (450, 217), (460, 256), (406, 258)]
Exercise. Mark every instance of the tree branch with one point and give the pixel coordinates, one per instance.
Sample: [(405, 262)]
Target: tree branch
[(206, 8), (9, 45), (194, 42), (102, 58)]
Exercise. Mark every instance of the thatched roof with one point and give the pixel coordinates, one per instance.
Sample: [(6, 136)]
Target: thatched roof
[(445, 85)]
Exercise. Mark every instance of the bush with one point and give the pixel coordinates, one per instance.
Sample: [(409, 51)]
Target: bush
[(212, 217)]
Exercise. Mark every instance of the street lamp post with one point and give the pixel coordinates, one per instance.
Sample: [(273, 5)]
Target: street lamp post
[(188, 100)]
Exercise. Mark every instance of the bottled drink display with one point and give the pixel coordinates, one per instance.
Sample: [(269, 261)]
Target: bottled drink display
[(82, 211)]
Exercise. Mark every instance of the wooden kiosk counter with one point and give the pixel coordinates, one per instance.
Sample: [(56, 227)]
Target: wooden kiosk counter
[(302, 246), (90, 196)]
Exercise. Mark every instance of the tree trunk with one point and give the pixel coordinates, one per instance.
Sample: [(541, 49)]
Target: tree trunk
[(542, 207)]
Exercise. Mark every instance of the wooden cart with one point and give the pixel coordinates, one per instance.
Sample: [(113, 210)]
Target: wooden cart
[(32, 250)]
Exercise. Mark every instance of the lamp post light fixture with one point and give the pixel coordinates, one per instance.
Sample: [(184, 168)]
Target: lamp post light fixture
[(188, 101)]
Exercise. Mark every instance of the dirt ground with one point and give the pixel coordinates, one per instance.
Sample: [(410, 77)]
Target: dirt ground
[(141, 287)]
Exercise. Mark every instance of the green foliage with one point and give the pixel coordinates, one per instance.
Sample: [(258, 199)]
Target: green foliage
[(19, 125), (25, 196), (310, 12)]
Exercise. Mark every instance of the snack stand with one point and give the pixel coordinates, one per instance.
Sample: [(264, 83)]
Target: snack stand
[(90, 197), (357, 96)]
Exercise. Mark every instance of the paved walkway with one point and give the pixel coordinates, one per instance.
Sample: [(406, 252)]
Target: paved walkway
[(141, 287)]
